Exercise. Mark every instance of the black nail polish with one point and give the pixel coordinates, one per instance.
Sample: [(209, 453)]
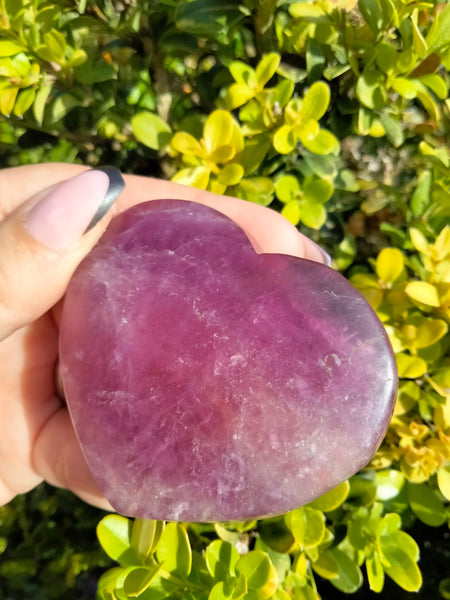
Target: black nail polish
[(115, 188)]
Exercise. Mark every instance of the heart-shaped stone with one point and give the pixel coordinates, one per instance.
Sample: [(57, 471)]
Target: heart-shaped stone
[(210, 383)]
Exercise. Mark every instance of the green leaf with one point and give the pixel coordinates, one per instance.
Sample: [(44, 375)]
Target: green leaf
[(186, 144), (151, 130), (393, 129), (444, 588), (94, 71), (243, 74), (302, 10), (196, 177), (323, 143), (308, 526), (436, 84), (389, 526), (424, 293), (332, 71), (442, 244), (315, 59), (256, 568), (317, 191), (389, 10), (266, 68), (62, 105), (54, 47), (174, 550), (221, 558), (419, 241), (21, 65), (426, 505), (428, 102), (139, 579), (375, 573), (254, 152), (237, 95), (406, 88), (344, 253), (370, 89), (332, 499), (40, 102), (114, 535), (362, 490), (77, 58), (372, 13), (439, 35), (223, 154), (389, 483), (8, 96), (110, 582), (326, 566), (259, 190), (428, 333), (410, 367), (324, 166), (400, 566), (281, 561), (350, 577), (222, 590), (315, 102), (284, 140), (9, 48), (222, 130), (145, 536), (389, 264), (287, 188), (443, 481), (291, 212), (283, 92), (421, 197), (208, 17), (276, 534), (230, 175), (233, 589), (24, 100), (306, 131), (419, 44), (312, 215), (386, 57)]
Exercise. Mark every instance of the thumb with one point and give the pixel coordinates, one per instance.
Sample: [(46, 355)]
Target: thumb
[(43, 241)]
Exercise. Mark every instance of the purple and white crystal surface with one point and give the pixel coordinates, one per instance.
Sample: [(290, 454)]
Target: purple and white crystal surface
[(210, 383)]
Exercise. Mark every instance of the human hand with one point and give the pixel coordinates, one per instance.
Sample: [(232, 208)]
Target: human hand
[(42, 219)]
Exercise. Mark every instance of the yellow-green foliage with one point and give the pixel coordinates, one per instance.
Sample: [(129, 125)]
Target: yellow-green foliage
[(335, 113), (159, 560), (416, 313)]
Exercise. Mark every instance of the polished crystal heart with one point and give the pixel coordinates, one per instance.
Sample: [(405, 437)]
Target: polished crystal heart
[(210, 383)]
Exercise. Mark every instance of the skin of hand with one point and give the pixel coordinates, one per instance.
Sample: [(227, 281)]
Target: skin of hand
[(37, 439)]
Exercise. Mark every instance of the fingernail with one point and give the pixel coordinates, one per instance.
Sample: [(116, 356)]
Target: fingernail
[(70, 209), (326, 256)]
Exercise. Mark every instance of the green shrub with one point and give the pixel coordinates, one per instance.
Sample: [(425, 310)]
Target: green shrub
[(336, 114)]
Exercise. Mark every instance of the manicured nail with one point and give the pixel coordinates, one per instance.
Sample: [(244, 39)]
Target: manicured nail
[(70, 209), (326, 256)]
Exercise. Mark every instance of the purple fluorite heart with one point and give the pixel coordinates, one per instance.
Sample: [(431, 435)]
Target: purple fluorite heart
[(209, 383)]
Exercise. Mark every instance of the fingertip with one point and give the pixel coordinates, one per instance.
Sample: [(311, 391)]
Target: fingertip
[(60, 216), (43, 241)]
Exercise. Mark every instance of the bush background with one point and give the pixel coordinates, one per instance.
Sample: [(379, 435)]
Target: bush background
[(333, 112)]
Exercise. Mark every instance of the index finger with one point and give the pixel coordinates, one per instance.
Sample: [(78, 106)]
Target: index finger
[(267, 229)]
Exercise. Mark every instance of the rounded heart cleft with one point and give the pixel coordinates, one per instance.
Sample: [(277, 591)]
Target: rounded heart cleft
[(210, 383)]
